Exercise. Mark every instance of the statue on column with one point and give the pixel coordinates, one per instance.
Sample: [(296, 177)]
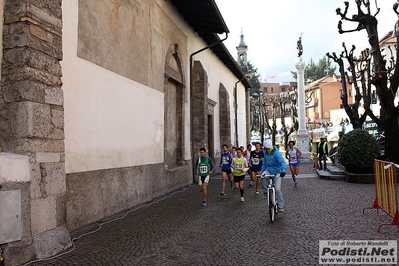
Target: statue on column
[(299, 46)]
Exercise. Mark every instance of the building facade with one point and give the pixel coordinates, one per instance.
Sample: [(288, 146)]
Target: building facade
[(104, 106), (323, 96)]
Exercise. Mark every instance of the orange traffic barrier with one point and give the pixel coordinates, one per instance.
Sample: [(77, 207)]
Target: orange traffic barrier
[(315, 160), (386, 194)]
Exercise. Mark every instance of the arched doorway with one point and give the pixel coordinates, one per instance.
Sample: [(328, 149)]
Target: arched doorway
[(174, 90)]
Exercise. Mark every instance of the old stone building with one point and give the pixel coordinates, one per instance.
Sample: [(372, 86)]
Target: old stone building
[(103, 106)]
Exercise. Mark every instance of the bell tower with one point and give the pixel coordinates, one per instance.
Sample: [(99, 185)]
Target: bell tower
[(242, 49)]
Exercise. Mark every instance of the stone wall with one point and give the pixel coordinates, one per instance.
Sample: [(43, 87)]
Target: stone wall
[(31, 119), (94, 195)]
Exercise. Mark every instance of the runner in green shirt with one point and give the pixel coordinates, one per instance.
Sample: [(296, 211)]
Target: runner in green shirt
[(203, 169)]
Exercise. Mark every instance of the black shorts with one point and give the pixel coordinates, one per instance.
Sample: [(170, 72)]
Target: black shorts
[(256, 168), (226, 171), (238, 178)]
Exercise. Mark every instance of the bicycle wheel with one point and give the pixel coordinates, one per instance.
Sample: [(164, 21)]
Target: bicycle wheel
[(271, 205)]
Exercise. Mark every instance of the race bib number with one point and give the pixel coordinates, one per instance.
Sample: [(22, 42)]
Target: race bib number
[(255, 161), (293, 158), (226, 160), (239, 166), (203, 169)]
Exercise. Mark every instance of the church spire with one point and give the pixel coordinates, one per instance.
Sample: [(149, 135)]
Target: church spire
[(242, 54), (242, 43)]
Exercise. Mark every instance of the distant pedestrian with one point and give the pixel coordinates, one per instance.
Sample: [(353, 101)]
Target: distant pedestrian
[(322, 150), (225, 164), (233, 153), (342, 124), (293, 155), (239, 166), (203, 169), (255, 163), (348, 126)]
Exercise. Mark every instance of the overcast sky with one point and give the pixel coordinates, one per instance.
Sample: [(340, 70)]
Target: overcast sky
[(272, 27)]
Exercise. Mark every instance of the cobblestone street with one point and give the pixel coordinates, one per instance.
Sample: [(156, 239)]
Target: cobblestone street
[(177, 230)]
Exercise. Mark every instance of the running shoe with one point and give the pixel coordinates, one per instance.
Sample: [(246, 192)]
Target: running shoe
[(257, 192), (295, 184), (242, 199), (222, 193), (232, 186), (203, 203), (251, 183), (280, 210), (265, 195)]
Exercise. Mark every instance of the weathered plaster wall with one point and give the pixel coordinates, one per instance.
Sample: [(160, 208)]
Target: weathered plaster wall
[(111, 121), (127, 37), (103, 137)]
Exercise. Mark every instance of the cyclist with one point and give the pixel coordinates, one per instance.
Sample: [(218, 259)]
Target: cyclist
[(203, 168), (294, 157), (273, 164), (225, 162), (256, 165)]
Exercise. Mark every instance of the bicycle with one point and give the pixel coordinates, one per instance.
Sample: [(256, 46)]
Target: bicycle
[(271, 197)]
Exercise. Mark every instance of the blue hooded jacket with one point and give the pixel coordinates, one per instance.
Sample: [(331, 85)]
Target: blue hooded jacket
[(274, 162)]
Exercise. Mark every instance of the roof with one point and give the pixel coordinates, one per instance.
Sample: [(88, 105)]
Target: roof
[(323, 81), (388, 38), (205, 18)]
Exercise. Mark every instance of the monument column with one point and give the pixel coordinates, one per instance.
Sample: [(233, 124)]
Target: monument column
[(303, 133)]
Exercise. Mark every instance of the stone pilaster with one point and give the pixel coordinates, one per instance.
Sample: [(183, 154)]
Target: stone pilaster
[(224, 116), (200, 108), (32, 114)]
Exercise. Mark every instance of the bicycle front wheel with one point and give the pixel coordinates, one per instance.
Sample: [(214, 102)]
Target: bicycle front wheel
[(271, 205)]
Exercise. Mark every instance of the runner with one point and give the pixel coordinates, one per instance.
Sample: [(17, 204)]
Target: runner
[(203, 169), (225, 163), (255, 162), (247, 155), (293, 155), (239, 166), (233, 153)]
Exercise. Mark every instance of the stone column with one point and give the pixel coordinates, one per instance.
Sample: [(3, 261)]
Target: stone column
[(32, 120), (303, 134)]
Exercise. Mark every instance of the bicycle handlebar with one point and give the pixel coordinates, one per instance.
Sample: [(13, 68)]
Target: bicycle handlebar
[(264, 176)]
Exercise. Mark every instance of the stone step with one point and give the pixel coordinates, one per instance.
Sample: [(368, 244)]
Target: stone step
[(333, 173), (335, 170)]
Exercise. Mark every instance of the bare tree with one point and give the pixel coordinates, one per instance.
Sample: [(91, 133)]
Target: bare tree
[(370, 69), (259, 112)]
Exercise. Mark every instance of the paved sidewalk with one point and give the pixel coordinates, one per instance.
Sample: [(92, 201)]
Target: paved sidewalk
[(177, 230)]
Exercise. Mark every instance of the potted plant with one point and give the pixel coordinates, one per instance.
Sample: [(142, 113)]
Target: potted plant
[(357, 151)]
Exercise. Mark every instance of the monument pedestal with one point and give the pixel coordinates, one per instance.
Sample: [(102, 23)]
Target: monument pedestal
[(303, 145)]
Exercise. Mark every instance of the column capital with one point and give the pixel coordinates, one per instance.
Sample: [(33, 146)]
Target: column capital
[(300, 66)]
